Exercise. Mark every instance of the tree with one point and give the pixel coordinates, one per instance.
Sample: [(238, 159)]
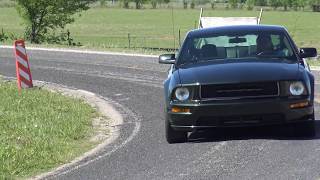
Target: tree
[(139, 3), (302, 4), (295, 4), (275, 3), (286, 4), (250, 4), (315, 4), (42, 16), (233, 3), (125, 3), (212, 3), (154, 4), (185, 4), (103, 3), (192, 4), (261, 2)]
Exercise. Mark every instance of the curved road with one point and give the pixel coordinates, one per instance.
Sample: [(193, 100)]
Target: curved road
[(141, 152)]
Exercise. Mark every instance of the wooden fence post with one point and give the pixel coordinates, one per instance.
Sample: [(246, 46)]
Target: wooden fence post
[(129, 40)]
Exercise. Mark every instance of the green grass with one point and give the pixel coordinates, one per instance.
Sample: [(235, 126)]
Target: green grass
[(108, 28), (314, 62), (40, 130), (6, 3)]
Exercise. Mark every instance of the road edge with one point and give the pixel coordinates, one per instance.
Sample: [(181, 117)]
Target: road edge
[(102, 106), (79, 51)]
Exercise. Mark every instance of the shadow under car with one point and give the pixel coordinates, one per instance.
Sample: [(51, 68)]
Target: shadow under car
[(279, 132)]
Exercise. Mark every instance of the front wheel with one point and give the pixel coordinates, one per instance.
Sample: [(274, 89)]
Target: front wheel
[(174, 136)]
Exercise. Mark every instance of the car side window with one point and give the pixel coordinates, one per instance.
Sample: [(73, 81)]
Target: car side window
[(275, 39), (287, 51)]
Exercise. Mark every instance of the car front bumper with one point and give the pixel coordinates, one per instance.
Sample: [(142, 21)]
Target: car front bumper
[(237, 113)]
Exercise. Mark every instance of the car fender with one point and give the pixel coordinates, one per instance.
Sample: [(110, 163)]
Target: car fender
[(311, 84), (169, 85)]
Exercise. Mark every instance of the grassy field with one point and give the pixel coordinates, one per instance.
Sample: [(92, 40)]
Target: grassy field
[(6, 3), (108, 28), (40, 130)]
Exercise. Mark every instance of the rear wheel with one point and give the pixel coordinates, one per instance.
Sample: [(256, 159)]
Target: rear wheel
[(174, 136), (307, 128)]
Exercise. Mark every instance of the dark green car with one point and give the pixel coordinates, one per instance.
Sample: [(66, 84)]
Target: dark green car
[(238, 76)]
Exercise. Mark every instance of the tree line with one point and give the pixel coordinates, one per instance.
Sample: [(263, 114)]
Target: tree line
[(249, 4), (275, 4)]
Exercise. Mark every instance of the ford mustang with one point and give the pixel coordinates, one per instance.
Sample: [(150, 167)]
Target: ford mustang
[(234, 76)]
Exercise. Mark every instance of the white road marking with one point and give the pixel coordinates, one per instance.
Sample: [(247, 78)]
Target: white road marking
[(124, 99), (86, 92), (81, 51)]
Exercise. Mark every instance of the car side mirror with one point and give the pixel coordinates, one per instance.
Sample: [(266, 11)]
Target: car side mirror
[(167, 59), (308, 52)]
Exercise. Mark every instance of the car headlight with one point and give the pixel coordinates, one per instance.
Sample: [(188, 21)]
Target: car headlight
[(182, 94), (296, 88)]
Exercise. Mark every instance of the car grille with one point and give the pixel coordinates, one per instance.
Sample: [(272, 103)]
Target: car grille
[(240, 120), (241, 90)]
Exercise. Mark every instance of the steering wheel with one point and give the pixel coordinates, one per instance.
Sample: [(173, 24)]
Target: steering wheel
[(264, 53)]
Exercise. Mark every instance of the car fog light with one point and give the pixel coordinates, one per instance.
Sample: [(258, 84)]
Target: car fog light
[(180, 110), (296, 88), (299, 105), (182, 94)]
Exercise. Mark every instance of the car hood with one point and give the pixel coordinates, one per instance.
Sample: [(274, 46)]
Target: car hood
[(237, 72)]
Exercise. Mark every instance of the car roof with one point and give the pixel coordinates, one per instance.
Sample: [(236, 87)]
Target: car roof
[(220, 29)]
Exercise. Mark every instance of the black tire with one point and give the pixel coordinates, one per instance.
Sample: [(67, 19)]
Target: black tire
[(174, 136), (307, 128)]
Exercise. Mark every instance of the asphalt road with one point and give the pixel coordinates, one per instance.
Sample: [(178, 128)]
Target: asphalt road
[(141, 152)]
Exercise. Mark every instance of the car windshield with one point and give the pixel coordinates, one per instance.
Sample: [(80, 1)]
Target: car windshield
[(237, 45)]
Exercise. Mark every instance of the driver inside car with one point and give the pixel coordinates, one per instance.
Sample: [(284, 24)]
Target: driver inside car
[(265, 47)]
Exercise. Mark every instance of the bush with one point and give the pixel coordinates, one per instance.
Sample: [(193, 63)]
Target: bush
[(261, 2), (250, 4), (212, 3), (125, 4), (3, 36), (62, 38), (315, 5), (154, 4), (192, 5), (8, 36), (241, 5), (185, 4), (233, 3), (103, 3), (275, 3)]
